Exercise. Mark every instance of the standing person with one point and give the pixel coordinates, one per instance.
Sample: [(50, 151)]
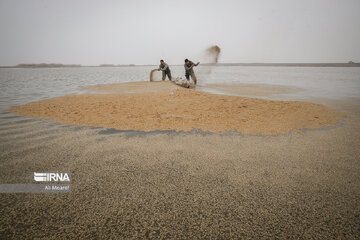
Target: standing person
[(165, 70), (189, 71)]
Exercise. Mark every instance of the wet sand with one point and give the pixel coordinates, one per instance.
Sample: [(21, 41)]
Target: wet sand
[(176, 108), (184, 185), (252, 89)]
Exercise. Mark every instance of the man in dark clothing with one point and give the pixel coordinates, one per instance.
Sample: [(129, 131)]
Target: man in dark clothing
[(189, 71), (165, 70)]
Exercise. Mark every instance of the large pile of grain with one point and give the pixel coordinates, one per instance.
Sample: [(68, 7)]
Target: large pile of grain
[(181, 109)]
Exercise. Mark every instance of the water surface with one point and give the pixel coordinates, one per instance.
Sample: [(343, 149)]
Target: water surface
[(22, 85)]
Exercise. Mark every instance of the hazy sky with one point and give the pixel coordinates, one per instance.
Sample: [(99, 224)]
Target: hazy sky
[(142, 32)]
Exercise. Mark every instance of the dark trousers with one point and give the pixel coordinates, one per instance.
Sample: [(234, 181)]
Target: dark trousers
[(193, 77), (164, 73)]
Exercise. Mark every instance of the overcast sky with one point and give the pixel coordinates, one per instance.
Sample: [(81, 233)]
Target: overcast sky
[(142, 32)]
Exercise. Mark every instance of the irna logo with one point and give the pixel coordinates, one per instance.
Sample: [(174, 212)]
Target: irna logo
[(51, 177)]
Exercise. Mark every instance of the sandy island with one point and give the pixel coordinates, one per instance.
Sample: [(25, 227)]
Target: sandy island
[(153, 106)]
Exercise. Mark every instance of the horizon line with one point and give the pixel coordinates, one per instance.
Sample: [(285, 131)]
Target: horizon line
[(132, 64)]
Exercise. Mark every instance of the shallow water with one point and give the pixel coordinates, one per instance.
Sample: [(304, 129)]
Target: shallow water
[(316, 82), (20, 86)]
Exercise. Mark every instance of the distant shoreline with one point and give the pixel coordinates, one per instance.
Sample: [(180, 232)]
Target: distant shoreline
[(55, 65), (291, 64)]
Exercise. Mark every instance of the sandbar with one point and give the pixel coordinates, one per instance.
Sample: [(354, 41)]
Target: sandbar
[(165, 106)]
